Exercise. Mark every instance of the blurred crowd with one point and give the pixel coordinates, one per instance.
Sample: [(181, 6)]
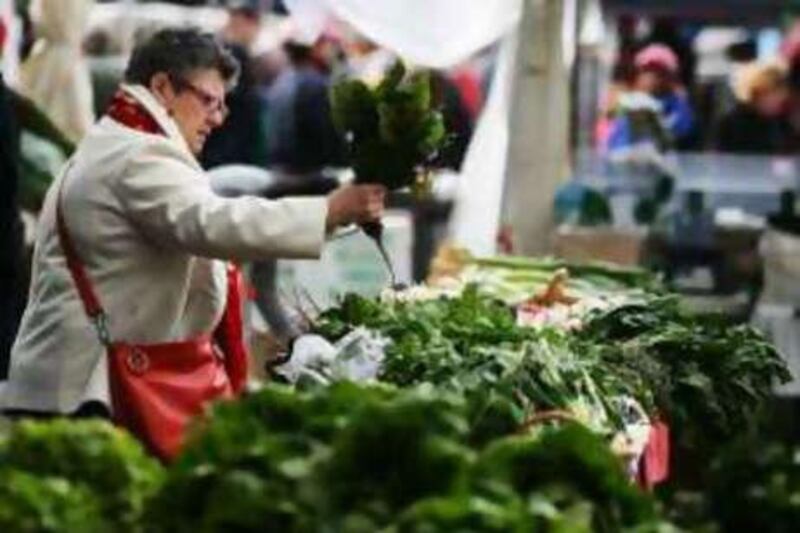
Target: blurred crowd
[(278, 111), (279, 115), (656, 97)]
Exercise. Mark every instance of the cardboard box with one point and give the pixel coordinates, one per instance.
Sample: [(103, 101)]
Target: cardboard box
[(613, 245)]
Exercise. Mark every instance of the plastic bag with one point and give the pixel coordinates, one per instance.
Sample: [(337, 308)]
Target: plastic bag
[(357, 356)]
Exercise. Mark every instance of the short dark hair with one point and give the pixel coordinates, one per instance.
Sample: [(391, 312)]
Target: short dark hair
[(179, 51)]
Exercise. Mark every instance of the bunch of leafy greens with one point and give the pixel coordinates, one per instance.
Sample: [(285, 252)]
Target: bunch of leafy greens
[(374, 458), (42, 504), (342, 455), (62, 472), (567, 466), (708, 377), (391, 129), (566, 480), (471, 345)]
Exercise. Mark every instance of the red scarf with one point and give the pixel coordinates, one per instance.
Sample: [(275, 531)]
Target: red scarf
[(129, 112), (229, 334)]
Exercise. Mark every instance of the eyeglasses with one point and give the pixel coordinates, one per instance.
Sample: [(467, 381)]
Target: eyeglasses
[(212, 103)]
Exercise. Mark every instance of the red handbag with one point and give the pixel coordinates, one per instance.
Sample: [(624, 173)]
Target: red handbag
[(156, 389)]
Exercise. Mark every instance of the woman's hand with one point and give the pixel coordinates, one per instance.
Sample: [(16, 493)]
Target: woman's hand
[(355, 204)]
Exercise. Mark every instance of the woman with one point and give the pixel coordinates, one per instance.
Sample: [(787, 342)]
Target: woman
[(656, 79), (132, 235), (758, 123)]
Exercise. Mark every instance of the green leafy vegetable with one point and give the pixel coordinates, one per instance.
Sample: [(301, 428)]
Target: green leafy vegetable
[(102, 465), (471, 345), (568, 466), (708, 377), (753, 484), (373, 458), (35, 504), (392, 130)]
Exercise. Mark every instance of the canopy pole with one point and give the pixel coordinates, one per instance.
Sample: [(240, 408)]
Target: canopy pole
[(539, 153)]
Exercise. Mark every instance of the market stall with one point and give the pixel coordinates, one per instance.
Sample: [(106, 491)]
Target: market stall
[(507, 393), (504, 393)]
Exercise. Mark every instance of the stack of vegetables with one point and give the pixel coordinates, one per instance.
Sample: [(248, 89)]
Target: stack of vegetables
[(472, 345), (355, 458), (74, 476), (358, 458), (706, 377), (349, 458)]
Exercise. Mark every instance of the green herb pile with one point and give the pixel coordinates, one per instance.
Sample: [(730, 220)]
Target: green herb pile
[(471, 345), (708, 377), (68, 475), (353, 458)]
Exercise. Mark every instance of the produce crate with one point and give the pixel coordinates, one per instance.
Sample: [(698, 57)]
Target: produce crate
[(613, 245)]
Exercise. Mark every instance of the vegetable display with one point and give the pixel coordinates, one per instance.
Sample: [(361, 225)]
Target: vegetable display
[(511, 395), (471, 344), (359, 458), (514, 279), (705, 376)]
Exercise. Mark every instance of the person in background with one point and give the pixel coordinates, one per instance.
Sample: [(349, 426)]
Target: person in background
[(657, 74), (328, 54), (467, 79), (241, 139), (301, 138), (623, 75), (458, 121), (622, 81), (758, 124), (654, 110)]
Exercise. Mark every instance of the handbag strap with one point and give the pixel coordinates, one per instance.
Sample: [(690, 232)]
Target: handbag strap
[(126, 110), (91, 304)]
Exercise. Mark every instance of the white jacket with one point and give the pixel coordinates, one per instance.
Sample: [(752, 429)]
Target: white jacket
[(146, 225)]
